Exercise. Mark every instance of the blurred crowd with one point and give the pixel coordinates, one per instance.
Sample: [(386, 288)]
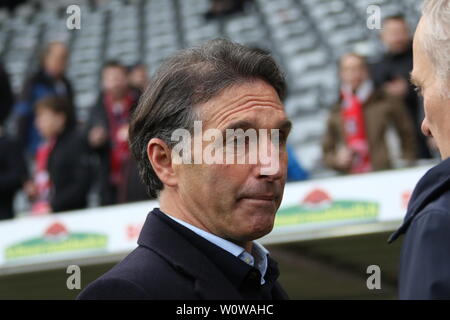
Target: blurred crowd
[(57, 161), (374, 98)]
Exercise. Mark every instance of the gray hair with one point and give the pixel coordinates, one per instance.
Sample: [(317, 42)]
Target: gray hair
[(437, 38), (189, 78)]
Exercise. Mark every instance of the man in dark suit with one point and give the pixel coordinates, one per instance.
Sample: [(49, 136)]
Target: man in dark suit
[(425, 256), (200, 243), (391, 74)]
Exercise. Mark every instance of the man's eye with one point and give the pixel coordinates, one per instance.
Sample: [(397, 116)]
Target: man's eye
[(236, 140)]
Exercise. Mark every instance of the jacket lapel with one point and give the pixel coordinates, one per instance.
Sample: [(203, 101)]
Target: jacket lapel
[(210, 283)]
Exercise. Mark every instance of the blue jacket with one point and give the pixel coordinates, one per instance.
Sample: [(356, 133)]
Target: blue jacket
[(295, 171), (425, 256), (37, 87)]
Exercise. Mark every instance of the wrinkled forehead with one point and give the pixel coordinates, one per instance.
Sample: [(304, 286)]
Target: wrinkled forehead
[(419, 55), (421, 61), (244, 100), (430, 66)]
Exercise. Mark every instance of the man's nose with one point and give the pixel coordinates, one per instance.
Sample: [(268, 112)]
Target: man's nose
[(425, 128), (273, 167), (273, 171)]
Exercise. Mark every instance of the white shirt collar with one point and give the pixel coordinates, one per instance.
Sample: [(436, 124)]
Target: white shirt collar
[(257, 259)]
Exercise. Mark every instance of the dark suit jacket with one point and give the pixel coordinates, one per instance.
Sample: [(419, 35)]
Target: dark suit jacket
[(391, 66), (167, 266), (13, 173), (69, 170), (424, 271), (6, 95)]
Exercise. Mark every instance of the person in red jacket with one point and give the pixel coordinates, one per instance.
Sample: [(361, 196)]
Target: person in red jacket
[(107, 133), (61, 176)]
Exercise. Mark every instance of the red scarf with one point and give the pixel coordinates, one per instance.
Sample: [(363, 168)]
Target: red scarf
[(118, 116), (355, 132), (42, 179)]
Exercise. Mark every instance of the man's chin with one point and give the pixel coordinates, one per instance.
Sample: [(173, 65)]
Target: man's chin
[(252, 235), (259, 230), (255, 219), (261, 233)]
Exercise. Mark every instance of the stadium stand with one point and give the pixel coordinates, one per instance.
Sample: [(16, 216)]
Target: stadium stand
[(306, 37), (297, 32)]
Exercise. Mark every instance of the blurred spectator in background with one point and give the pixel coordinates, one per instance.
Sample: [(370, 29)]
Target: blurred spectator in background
[(392, 74), (13, 170), (11, 4), (6, 95), (295, 171), (222, 8), (48, 80), (61, 178), (355, 141), (138, 77), (107, 133), (135, 190)]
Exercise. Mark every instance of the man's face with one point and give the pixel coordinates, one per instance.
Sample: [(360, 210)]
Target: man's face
[(56, 60), (114, 80), (236, 201), (49, 123), (436, 103), (395, 35), (353, 71)]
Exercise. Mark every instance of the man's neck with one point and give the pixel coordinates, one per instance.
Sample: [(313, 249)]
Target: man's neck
[(172, 205)]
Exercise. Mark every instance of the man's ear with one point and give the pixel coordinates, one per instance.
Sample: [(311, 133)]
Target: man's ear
[(159, 155)]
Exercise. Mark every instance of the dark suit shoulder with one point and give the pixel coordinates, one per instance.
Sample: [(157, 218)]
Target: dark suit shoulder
[(437, 206), (143, 274), (110, 288), (424, 272)]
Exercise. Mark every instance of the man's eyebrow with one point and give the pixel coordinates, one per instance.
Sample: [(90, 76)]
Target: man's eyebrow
[(240, 124), (284, 125)]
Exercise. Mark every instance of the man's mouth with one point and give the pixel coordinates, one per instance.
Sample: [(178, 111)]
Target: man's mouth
[(260, 198)]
